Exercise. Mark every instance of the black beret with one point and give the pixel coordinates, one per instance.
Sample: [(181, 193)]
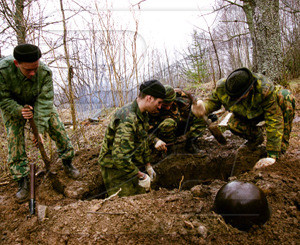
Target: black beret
[(154, 88), (27, 53)]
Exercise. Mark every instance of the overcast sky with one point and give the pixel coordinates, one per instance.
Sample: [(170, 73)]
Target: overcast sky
[(162, 23), (169, 23)]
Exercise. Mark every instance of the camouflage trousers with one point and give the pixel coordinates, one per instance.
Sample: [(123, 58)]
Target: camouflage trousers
[(247, 129), (168, 130), (114, 179), (17, 158)]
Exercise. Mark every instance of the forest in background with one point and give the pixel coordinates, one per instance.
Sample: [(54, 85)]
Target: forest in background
[(98, 63)]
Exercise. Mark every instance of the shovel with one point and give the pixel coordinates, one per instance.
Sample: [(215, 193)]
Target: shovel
[(212, 127), (57, 185)]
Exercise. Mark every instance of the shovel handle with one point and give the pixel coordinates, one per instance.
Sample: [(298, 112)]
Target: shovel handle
[(32, 189), (39, 142), (214, 130)]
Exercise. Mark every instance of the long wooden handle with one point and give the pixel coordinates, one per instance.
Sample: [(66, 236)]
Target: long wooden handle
[(40, 144), (32, 189), (39, 140), (215, 131)]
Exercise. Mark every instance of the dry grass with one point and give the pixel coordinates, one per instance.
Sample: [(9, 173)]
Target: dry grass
[(294, 85)]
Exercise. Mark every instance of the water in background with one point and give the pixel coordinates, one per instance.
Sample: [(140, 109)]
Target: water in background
[(91, 106)]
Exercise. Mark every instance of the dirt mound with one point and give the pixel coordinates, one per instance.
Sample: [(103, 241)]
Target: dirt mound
[(89, 184), (170, 214)]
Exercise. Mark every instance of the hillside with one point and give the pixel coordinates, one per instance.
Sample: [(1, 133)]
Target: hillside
[(178, 210)]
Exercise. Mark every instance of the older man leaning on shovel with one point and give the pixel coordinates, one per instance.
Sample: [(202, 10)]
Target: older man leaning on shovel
[(24, 80)]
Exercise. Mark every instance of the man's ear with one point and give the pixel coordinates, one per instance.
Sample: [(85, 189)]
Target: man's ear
[(149, 98), (16, 63)]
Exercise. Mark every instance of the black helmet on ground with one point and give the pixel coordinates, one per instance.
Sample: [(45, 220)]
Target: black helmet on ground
[(242, 205), (239, 82)]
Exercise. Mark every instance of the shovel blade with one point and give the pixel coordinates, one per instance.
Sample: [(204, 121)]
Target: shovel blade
[(56, 183), (216, 132)]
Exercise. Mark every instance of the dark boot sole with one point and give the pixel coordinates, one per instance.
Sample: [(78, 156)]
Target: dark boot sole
[(22, 200)]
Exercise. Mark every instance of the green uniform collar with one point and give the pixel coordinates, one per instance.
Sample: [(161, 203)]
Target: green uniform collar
[(142, 116)]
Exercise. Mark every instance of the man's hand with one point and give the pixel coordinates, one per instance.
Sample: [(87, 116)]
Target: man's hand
[(27, 112), (264, 162), (35, 141), (198, 109), (145, 182), (150, 171), (160, 146), (181, 138)]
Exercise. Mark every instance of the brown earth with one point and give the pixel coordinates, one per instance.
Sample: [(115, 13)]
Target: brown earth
[(178, 210)]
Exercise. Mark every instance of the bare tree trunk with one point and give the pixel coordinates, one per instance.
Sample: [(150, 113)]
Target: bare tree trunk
[(170, 78), (247, 46), (213, 70), (19, 21), (70, 69), (216, 53), (263, 20)]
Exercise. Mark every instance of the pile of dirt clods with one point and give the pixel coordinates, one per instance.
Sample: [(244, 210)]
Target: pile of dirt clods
[(178, 209)]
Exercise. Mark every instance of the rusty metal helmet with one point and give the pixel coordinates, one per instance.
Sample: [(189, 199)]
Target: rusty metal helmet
[(242, 204)]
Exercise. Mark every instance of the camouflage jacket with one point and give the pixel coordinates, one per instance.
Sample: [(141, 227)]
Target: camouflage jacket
[(16, 91), (261, 103), (125, 145), (179, 111)]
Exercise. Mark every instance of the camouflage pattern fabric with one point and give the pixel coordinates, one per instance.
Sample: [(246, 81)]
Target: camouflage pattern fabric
[(16, 91), (125, 150), (17, 158), (262, 103), (167, 125), (246, 129), (115, 179), (287, 104)]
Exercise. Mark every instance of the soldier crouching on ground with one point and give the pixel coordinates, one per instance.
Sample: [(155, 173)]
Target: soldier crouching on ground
[(24, 80), (125, 149), (174, 120), (252, 98)]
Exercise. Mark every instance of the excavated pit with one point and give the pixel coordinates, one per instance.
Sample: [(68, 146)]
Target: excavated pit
[(176, 170), (182, 170)]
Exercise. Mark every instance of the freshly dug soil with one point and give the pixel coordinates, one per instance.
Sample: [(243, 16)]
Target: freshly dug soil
[(178, 209)]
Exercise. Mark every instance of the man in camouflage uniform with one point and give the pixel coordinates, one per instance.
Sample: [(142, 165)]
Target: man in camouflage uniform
[(252, 98), (175, 119), (24, 80), (125, 149)]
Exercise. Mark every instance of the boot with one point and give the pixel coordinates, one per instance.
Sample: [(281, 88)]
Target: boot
[(23, 191), (252, 144), (191, 147), (70, 170)]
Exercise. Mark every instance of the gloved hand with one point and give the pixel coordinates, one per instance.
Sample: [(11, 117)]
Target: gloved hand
[(264, 162), (198, 108), (151, 172), (160, 145), (145, 182)]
